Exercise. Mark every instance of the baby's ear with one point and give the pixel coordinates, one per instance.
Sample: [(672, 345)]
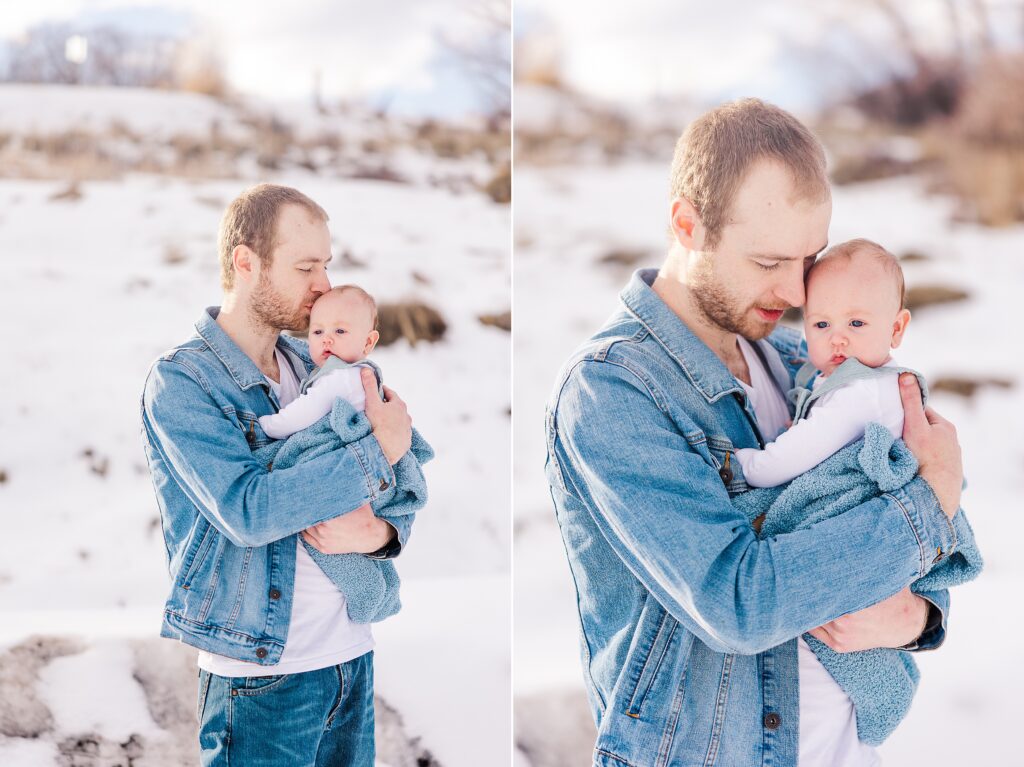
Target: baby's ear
[(899, 327), (371, 341)]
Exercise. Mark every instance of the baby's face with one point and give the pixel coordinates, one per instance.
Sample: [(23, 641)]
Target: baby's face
[(341, 325), (852, 310)]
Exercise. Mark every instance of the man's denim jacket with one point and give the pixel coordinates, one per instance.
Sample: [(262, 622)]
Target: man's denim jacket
[(688, 619), (229, 522)]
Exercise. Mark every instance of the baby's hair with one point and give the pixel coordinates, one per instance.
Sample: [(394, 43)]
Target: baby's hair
[(370, 302), (847, 250)]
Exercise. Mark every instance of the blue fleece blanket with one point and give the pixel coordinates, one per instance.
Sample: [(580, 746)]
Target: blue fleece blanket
[(370, 585), (881, 683)]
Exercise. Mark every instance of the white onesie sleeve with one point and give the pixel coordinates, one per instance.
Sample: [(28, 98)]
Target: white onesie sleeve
[(306, 409), (835, 421)]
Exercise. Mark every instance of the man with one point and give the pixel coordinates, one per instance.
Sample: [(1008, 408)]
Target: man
[(689, 621), (286, 678)]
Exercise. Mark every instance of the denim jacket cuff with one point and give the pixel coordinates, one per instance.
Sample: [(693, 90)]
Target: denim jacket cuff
[(378, 472), (934, 633), (934, 530)]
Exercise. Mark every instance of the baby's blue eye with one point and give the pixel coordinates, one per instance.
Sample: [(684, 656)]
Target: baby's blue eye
[(317, 332), (857, 323), (339, 331), (821, 325)]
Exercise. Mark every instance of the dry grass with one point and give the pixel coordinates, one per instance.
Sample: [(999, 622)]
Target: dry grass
[(920, 296), (71, 193), (967, 387), (499, 188), (412, 320), (502, 320), (174, 255)]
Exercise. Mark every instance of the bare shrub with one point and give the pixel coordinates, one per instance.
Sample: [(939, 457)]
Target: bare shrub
[(983, 147), (412, 320)]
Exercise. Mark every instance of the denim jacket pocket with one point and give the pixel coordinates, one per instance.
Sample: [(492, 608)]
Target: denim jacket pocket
[(250, 426), (199, 550), (653, 638), (719, 453)]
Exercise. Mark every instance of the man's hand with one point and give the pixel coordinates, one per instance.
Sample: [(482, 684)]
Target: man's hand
[(391, 423), (358, 532), (932, 440), (893, 622)]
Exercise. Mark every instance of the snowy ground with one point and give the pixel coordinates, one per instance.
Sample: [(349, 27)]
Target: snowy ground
[(567, 219), (91, 291)]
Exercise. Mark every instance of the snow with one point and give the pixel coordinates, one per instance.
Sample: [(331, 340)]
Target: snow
[(568, 217), (93, 290), (159, 114), (71, 685)]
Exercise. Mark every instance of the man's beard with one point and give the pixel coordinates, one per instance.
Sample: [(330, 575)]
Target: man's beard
[(269, 308), (721, 309)]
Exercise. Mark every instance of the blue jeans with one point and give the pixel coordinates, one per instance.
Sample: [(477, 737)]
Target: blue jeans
[(318, 718)]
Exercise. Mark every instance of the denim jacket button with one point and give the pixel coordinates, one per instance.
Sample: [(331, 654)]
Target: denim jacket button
[(772, 721), (726, 475), (275, 594), (261, 653), (384, 484)]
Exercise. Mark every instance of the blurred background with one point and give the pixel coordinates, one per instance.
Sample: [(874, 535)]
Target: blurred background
[(920, 105), (125, 130)]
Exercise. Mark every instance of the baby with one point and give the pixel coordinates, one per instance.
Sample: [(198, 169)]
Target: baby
[(341, 335), (853, 318)]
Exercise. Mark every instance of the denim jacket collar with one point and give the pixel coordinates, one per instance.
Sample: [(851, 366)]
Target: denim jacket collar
[(242, 369), (702, 366)]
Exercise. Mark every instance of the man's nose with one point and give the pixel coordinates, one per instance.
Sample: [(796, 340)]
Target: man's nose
[(791, 290), (321, 284)]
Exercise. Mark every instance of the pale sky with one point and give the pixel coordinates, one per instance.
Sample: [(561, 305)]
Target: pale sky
[(631, 51), (272, 50)]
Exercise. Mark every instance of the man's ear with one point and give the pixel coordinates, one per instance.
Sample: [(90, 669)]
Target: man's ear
[(899, 327), (685, 224), (371, 341), (243, 259)]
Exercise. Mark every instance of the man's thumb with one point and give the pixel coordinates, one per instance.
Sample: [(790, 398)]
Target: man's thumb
[(369, 381), (910, 393)]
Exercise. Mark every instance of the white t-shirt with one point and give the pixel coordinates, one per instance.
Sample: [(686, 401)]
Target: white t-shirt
[(306, 409), (835, 420), (320, 633), (828, 724)]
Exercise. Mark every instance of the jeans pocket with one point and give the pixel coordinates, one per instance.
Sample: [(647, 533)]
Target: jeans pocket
[(256, 685)]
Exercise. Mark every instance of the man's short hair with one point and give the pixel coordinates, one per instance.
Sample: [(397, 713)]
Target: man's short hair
[(366, 297), (717, 150), (251, 220), (860, 246)]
